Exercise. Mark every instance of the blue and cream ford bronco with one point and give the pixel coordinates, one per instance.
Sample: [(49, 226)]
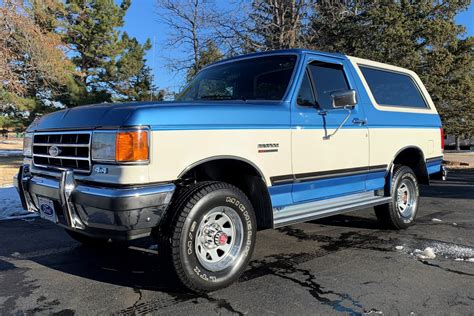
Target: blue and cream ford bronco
[(253, 142)]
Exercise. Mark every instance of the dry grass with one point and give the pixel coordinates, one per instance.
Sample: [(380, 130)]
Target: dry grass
[(459, 160), (9, 165), (11, 144), (8, 168)]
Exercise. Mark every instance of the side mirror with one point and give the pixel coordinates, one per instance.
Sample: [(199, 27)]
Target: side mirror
[(344, 98)]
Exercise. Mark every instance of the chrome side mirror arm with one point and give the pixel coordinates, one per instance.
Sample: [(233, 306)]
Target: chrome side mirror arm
[(349, 112)]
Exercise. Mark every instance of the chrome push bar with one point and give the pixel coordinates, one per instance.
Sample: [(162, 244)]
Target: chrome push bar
[(67, 185)]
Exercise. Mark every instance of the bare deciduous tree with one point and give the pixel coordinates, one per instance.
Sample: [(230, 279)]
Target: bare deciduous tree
[(277, 23), (189, 25), (262, 25)]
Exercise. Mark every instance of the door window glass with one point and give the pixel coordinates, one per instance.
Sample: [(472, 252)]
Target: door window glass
[(305, 95), (327, 78)]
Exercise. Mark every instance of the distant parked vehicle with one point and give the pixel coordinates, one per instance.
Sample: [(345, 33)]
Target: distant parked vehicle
[(464, 144), (254, 142)]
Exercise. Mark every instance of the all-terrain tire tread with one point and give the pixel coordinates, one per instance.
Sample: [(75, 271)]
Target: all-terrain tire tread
[(385, 213), (184, 204)]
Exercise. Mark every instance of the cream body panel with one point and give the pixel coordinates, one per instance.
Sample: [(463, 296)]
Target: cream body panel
[(116, 174), (348, 148), (385, 143), (173, 152)]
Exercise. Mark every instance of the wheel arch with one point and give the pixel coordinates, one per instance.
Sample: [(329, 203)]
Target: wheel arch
[(413, 157), (240, 172)]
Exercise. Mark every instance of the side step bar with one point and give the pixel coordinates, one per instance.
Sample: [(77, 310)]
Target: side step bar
[(318, 209)]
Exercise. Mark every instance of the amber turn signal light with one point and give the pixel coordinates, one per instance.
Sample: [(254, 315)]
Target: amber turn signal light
[(131, 146)]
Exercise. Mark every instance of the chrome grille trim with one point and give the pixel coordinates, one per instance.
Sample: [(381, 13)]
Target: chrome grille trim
[(71, 142), (62, 145), (61, 157)]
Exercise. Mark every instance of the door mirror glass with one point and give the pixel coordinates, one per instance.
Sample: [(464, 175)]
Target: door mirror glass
[(343, 98)]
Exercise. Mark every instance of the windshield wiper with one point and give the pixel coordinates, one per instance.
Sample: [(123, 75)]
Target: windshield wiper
[(221, 97)]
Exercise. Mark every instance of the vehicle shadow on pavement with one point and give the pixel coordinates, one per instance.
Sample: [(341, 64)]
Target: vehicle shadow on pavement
[(459, 185), (115, 265), (350, 221)]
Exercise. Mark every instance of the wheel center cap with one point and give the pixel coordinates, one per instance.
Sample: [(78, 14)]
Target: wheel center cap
[(220, 238)]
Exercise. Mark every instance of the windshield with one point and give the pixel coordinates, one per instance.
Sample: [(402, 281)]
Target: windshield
[(260, 78)]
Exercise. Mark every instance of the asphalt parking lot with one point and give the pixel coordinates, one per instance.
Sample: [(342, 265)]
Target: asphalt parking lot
[(343, 264)]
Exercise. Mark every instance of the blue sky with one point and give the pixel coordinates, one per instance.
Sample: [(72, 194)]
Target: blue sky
[(142, 22)]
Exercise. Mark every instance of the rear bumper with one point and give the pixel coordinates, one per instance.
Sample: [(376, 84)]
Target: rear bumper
[(439, 175), (115, 213)]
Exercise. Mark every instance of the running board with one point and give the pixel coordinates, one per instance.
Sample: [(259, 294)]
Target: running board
[(293, 214)]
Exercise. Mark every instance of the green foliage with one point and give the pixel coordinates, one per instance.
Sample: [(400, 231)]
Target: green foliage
[(208, 55), (111, 64), (418, 35)]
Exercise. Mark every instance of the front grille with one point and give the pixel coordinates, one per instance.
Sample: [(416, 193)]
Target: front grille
[(63, 150)]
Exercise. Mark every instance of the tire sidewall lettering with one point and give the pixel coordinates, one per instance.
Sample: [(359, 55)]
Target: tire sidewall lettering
[(190, 235), (410, 177), (234, 201)]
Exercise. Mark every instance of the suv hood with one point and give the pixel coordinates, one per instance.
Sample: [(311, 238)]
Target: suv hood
[(166, 115)]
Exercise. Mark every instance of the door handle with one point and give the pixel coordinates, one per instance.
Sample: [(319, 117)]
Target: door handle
[(360, 122)]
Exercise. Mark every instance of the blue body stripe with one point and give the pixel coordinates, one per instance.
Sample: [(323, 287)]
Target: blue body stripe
[(327, 188), (375, 181), (267, 127), (280, 195), (434, 166), (288, 194)]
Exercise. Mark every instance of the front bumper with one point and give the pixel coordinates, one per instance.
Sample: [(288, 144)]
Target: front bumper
[(104, 212)]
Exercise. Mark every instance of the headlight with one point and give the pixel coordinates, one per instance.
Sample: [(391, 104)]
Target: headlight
[(120, 146), (28, 144), (103, 146)]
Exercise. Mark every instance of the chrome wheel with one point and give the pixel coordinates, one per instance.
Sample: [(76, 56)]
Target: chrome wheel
[(219, 238), (406, 198)]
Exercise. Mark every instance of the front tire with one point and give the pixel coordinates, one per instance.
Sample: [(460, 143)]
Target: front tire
[(212, 235), (401, 212)]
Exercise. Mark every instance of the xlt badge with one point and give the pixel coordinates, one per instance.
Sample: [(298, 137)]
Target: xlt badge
[(268, 148)]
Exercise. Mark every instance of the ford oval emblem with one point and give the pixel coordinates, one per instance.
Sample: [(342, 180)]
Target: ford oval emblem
[(47, 210), (54, 151)]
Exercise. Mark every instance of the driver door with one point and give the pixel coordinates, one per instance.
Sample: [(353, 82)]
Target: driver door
[(327, 167)]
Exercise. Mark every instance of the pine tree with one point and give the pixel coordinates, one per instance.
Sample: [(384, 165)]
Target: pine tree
[(208, 55), (109, 61), (419, 35)]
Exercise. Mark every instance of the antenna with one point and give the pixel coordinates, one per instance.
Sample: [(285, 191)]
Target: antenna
[(153, 68)]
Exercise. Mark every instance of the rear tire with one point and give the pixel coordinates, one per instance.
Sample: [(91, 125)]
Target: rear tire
[(211, 236), (400, 212)]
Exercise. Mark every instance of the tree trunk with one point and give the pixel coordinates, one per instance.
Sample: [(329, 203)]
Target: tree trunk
[(458, 142)]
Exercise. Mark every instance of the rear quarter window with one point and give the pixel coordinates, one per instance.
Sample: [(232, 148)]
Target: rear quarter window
[(393, 89)]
